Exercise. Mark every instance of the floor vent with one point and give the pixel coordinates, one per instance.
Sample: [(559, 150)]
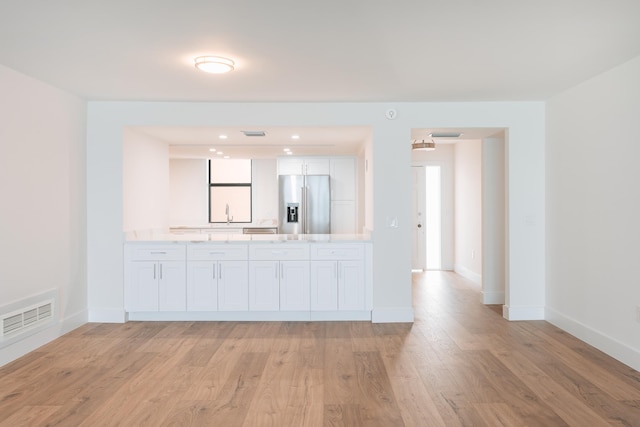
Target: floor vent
[(19, 321)]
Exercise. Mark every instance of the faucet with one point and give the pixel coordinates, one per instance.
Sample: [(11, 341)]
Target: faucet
[(226, 211)]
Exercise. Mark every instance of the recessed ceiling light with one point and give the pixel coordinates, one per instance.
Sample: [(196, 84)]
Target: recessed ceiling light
[(222, 136), (214, 64), (295, 136), (226, 157), (213, 150), (220, 153), (286, 150), (289, 153)]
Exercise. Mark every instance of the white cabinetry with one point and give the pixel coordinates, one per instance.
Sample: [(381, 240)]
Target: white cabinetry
[(343, 195), (155, 278), (279, 277), (303, 166), (338, 277), (217, 278)]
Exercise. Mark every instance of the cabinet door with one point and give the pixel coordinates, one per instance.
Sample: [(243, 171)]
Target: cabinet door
[(324, 286), (141, 289), (294, 286), (290, 166), (172, 286), (264, 286), (343, 179), (202, 286), (233, 286), (351, 285), (317, 166)]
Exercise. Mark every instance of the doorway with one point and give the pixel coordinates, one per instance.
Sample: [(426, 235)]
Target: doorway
[(426, 222)]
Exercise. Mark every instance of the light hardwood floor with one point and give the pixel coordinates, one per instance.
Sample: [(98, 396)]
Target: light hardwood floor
[(460, 363)]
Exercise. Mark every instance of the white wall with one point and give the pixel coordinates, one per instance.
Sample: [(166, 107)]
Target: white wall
[(442, 156), (145, 163), (468, 209), (188, 201), (391, 186), (494, 236), (593, 207), (42, 198)]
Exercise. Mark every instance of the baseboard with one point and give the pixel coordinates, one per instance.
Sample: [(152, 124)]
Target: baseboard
[(614, 348), (468, 274), (38, 337), (392, 315), (493, 297), (523, 313), (107, 315)]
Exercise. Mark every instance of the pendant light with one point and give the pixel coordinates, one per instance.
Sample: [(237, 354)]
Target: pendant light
[(423, 145)]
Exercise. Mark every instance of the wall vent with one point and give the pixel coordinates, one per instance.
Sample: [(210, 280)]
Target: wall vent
[(22, 320)]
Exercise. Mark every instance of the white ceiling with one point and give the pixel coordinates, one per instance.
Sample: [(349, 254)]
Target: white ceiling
[(330, 50), (326, 51)]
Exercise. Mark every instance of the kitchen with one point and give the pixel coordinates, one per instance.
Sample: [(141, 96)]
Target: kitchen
[(201, 224)]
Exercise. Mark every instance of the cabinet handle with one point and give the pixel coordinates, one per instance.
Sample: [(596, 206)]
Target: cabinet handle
[(217, 253), (154, 272), (219, 272), (158, 252), (282, 271), (160, 271), (214, 272)]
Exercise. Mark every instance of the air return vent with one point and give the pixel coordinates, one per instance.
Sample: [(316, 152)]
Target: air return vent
[(18, 321), (445, 135), (254, 133)]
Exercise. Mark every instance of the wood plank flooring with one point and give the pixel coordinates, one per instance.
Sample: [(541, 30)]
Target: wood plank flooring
[(459, 364)]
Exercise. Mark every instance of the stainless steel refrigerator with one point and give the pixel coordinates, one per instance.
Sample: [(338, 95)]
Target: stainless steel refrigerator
[(304, 204)]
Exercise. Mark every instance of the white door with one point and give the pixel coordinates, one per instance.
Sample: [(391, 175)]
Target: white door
[(142, 286), (202, 286), (324, 285), (294, 286), (172, 286), (351, 285), (418, 209), (264, 285)]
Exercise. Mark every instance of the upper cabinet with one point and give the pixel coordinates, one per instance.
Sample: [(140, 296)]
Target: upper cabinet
[(303, 166)]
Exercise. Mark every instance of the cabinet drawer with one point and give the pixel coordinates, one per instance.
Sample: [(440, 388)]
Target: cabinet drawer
[(217, 252), (156, 252), (337, 251), (281, 251)]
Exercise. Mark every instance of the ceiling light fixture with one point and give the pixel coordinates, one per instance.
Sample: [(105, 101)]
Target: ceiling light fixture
[(295, 136), (214, 64), (423, 145), (223, 136), (213, 150)]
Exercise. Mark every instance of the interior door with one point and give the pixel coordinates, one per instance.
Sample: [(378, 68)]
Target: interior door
[(418, 208)]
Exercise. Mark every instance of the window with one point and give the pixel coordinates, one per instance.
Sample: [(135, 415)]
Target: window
[(229, 190)]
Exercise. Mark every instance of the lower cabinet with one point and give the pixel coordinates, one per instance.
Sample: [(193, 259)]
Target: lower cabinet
[(155, 278), (279, 285), (325, 278), (337, 285), (217, 286), (217, 278), (279, 278), (338, 277)]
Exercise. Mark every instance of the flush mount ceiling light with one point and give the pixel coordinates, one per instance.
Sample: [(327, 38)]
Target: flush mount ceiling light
[(423, 145), (214, 64)]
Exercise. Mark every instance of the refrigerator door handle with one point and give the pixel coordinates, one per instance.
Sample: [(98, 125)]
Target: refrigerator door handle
[(306, 210)]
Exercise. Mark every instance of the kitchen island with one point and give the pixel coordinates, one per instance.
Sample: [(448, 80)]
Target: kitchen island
[(250, 277)]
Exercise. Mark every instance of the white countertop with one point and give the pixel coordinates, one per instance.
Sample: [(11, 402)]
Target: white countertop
[(245, 238)]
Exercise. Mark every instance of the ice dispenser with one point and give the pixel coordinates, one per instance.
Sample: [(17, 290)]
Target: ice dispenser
[(292, 212)]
